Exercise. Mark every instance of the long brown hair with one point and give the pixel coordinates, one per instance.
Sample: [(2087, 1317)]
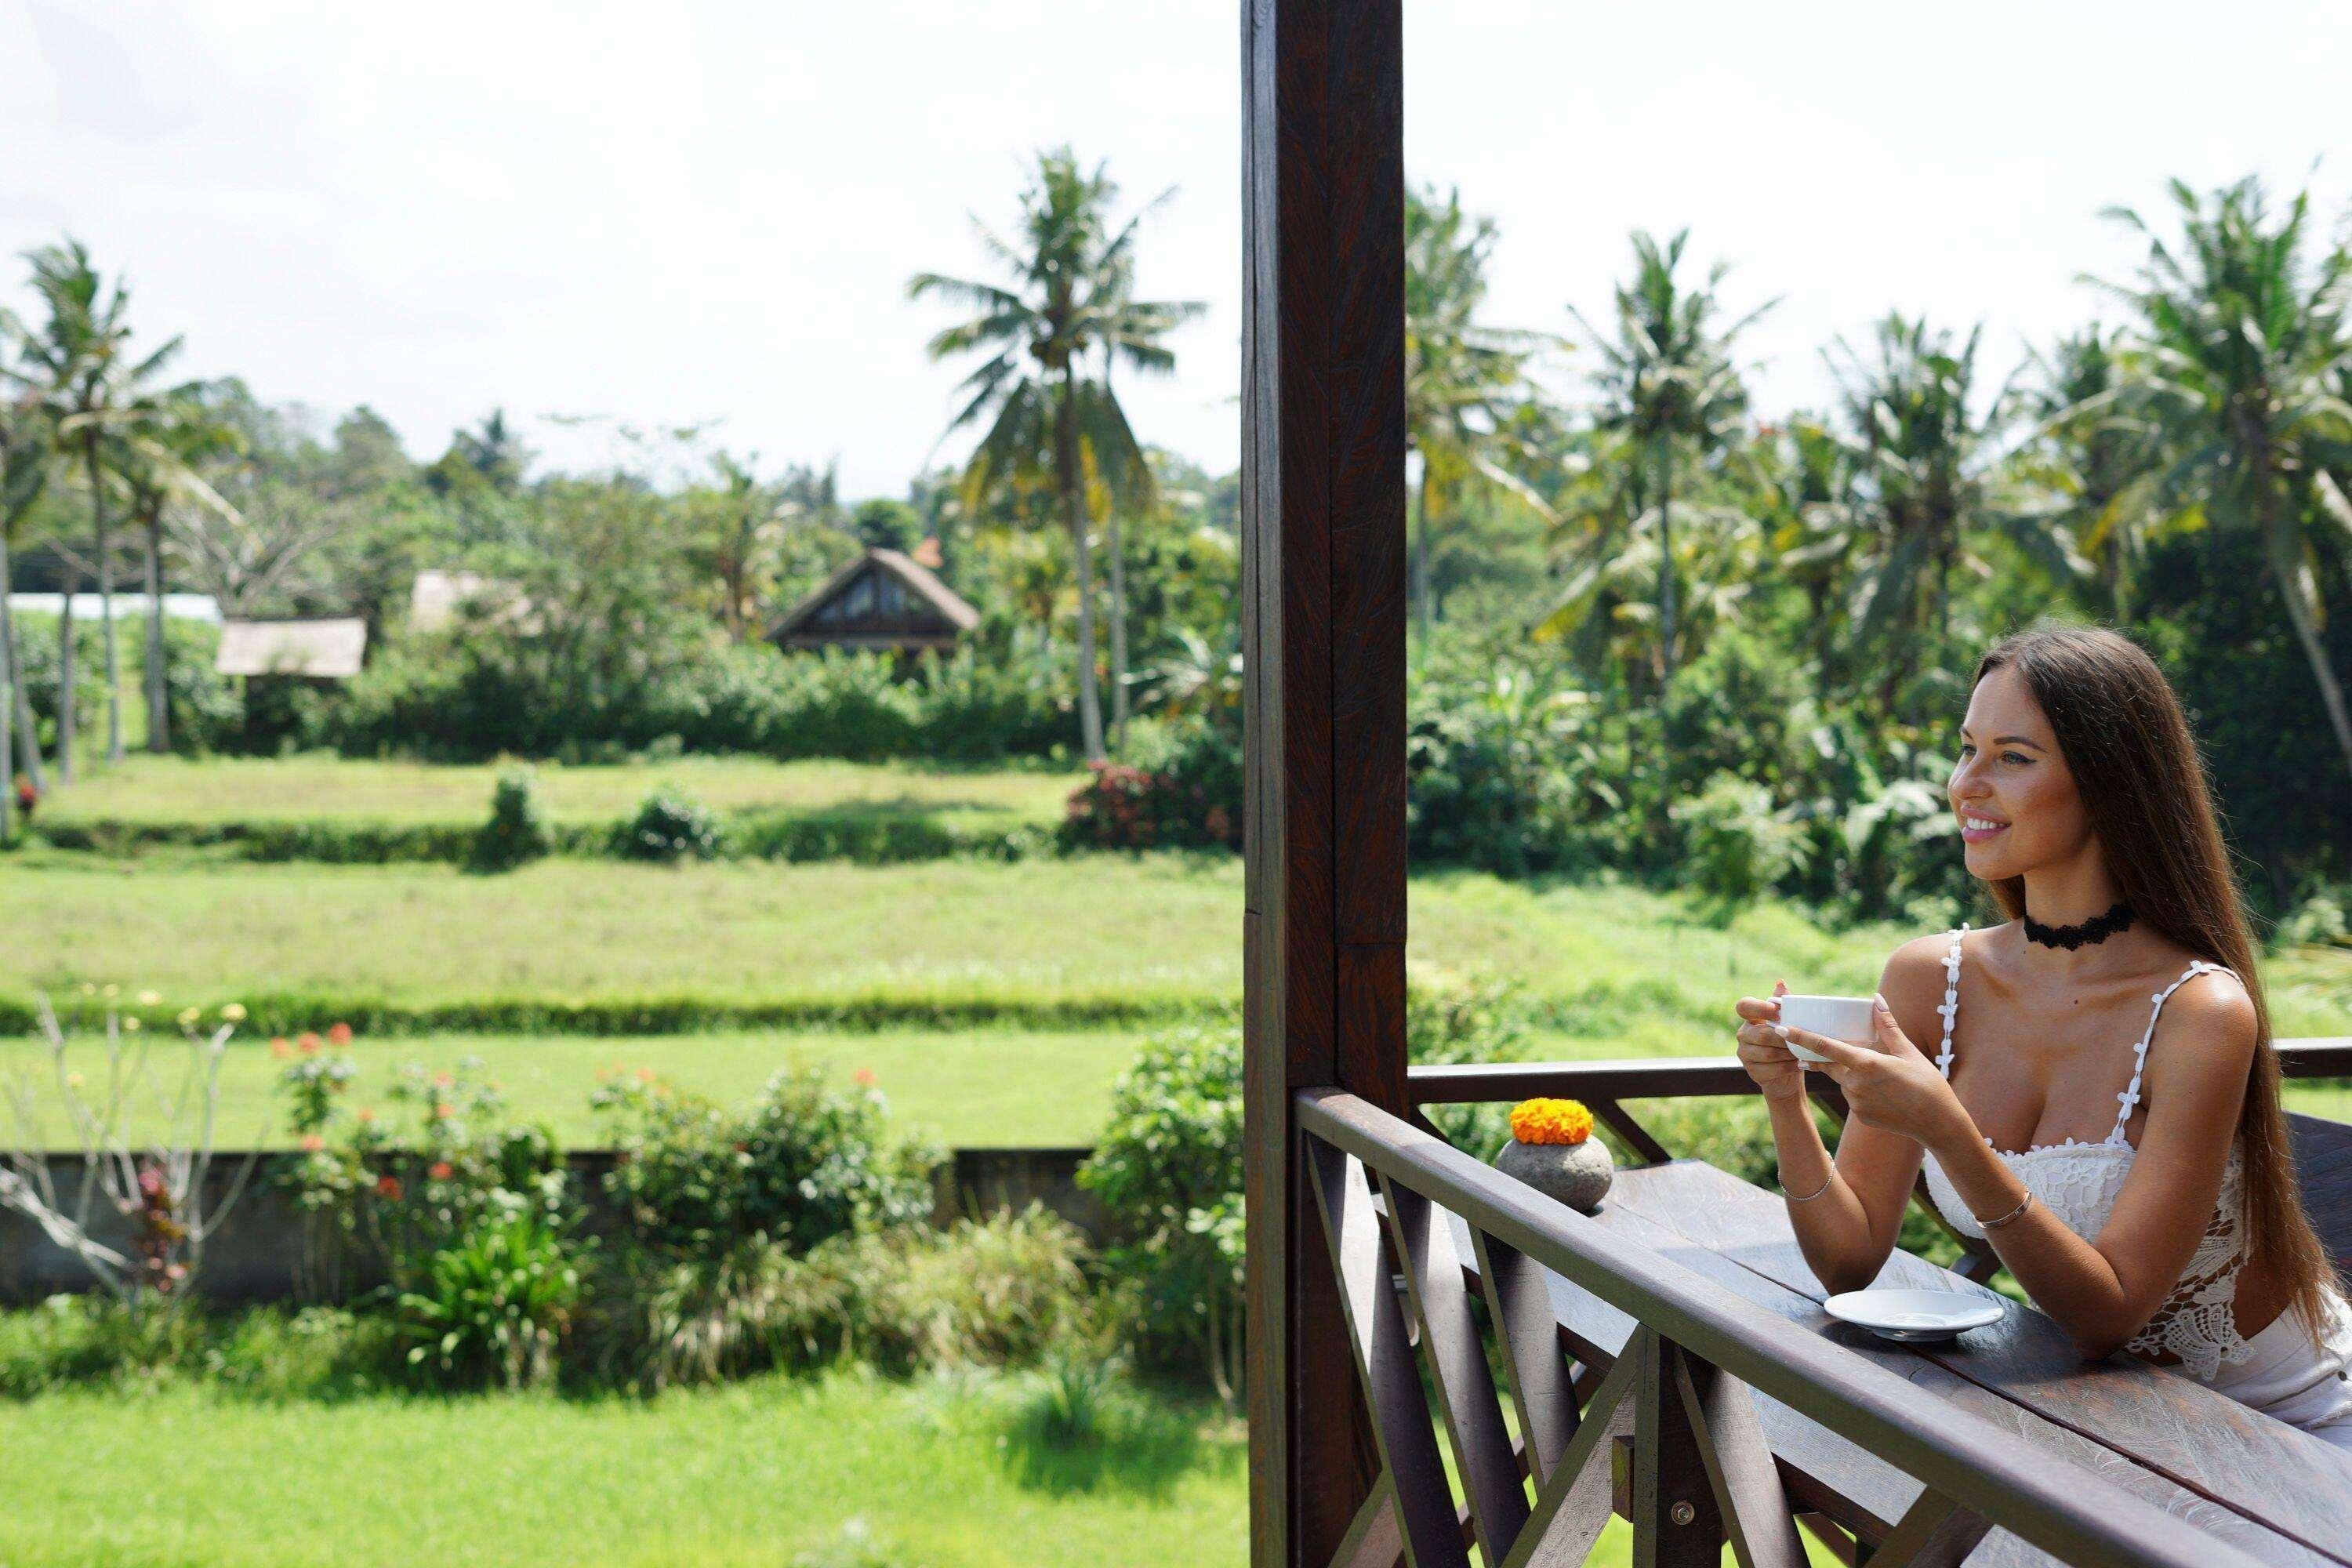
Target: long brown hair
[(2143, 787)]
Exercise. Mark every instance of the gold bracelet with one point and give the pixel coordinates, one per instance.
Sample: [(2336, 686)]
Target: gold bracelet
[(2024, 1204), (1817, 1192)]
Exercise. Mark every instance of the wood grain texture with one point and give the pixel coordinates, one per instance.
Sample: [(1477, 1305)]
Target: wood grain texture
[(1467, 1402), (1519, 1303), (1754, 1506), (1323, 648), (1375, 1324), (2204, 1443), (1968, 1451)]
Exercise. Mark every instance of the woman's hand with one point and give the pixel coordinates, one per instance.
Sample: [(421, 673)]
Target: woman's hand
[(1889, 1083), (1764, 1048)]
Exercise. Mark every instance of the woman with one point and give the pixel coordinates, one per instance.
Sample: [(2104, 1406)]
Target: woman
[(2096, 1097)]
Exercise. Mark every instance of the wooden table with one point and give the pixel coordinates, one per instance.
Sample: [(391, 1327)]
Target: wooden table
[(2275, 1492)]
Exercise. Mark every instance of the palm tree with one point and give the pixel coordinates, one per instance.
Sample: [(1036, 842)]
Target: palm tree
[(1069, 294), (2239, 357), (1668, 381), (98, 399), (159, 470), (1924, 467), (24, 473), (2097, 462), (1462, 380)]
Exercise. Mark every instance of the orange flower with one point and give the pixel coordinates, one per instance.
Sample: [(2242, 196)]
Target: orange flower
[(865, 1075), (312, 1143), (443, 1111), (307, 1044), (388, 1187), (341, 1034), (442, 1080), (364, 1113), (281, 1047), (1550, 1122), (441, 1170)]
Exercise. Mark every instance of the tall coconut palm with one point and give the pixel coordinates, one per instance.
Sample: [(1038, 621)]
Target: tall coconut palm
[(1924, 464), (98, 398), (24, 473), (1461, 379), (2096, 459), (1667, 380), (2240, 358), (1067, 294), (159, 470)]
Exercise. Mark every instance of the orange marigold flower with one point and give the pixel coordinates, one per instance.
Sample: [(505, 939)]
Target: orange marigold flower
[(441, 1170), (1550, 1122), (281, 1047), (866, 1075), (307, 1044), (341, 1034), (312, 1143), (388, 1187)]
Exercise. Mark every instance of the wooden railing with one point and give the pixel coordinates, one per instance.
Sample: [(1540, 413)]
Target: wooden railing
[(1668, 1434), (1605, 1086)]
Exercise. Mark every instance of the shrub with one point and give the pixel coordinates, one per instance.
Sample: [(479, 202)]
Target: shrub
[(440, 1164), (669, 827), (1168, 1169), (801, 1164), (495, 1302), (997, 1291), (515, 832), (1735, 846), (1182, 789)]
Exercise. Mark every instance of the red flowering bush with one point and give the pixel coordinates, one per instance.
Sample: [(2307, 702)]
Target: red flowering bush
[(1182, 789)]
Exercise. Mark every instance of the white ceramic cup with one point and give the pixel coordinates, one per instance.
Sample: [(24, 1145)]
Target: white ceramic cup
[(1839, 1017)]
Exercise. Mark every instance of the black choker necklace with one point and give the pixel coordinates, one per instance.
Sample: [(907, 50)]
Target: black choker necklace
[(2097, 929)]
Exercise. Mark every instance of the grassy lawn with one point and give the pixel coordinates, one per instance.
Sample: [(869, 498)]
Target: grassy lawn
[(960, 1088), (1613, 966), (149, 790), (768, 1472)]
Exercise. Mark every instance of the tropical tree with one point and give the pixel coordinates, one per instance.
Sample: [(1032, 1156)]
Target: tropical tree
[(1926, 488), (99, 402), (2240, 358), (23, 474), (1462, 380), (1068, 295), (2094, 458), (1668, 383), (159, 470)]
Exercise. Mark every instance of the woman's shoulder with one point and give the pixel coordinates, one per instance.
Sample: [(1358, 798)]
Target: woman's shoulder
[(1925, 955)]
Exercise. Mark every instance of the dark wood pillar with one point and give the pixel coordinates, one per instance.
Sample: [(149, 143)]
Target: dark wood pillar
[(1323, 512)]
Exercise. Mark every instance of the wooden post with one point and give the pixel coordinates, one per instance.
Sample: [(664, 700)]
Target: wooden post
[(1323, 449)]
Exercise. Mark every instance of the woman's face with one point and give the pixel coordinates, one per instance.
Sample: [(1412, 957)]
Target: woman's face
[(2011, 788)]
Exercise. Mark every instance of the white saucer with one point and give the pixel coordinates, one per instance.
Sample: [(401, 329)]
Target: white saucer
[(1913, 1317)]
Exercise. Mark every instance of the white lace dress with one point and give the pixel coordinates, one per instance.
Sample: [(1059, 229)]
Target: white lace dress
[(2079, 1183)]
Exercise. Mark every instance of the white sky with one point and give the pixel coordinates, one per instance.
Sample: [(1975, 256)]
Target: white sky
[(675, 212)]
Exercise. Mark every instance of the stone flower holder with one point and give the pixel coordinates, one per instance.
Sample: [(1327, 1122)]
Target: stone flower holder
[(1553, 1151)]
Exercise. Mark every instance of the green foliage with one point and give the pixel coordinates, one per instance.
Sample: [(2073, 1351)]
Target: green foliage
[(515, 833), (494, 1304), (1182, 789), (1736, 847), (1167, 1171), (670, 826), (799, 1164)]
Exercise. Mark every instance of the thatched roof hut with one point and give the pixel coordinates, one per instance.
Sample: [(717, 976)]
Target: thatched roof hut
[(884, 599)]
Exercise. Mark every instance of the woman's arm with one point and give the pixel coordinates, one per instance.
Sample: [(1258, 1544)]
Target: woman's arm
[(1848, 1231), (2102, 1290)]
